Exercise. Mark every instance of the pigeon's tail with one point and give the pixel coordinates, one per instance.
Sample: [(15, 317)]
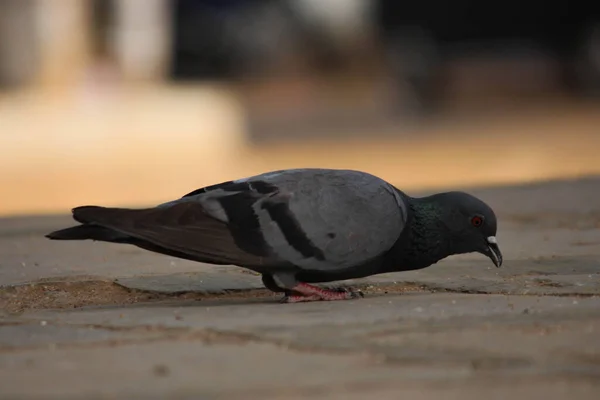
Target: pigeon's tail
[(89, 229), (96, 224), (182, 230)]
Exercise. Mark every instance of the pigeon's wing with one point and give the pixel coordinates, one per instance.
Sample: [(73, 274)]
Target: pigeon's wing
[(315, 219), (310, 219), (182, 229)]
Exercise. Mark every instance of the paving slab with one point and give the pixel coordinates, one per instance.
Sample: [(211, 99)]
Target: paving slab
[(21, 336), (261, 349), (461, 329)]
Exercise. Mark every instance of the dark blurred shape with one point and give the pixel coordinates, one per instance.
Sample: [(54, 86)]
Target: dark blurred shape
[(206, 36), (299, 73), (201, 46), (228, 39), (102, 17), (421, 37)]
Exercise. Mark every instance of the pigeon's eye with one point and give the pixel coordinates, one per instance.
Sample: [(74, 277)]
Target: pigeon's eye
[(477, 221)]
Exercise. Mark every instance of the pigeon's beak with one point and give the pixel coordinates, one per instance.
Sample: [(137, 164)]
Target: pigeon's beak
[(493, 251)]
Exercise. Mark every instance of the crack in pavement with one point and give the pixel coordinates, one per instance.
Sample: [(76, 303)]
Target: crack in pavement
[(14, 300), (77, 294)]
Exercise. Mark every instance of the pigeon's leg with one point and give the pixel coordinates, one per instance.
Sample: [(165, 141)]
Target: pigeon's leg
[(299, 298), (324, 294), (303, 292)]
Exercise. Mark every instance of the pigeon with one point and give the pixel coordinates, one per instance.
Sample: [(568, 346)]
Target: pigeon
[(300, 227)]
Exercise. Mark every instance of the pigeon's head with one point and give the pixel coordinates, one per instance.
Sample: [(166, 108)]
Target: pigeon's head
[(472, 224)]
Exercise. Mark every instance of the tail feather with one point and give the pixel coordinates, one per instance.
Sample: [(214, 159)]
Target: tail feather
[(92, 232), (91, 227), (88, 214)]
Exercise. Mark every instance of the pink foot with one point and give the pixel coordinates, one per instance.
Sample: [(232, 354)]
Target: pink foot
[(299, 299), (308, 292)]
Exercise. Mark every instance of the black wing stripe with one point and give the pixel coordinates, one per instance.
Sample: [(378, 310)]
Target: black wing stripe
[(243, 223), (292, 231), (242, 219), (261, 187), (281, 214), (229, 186)]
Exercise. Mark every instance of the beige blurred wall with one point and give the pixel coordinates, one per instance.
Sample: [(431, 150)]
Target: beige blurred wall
[(47, 44), (152, 144), (62, 37), (83, 133), (142, 38)]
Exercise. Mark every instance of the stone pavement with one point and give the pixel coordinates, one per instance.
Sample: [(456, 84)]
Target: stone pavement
[(93, 320)]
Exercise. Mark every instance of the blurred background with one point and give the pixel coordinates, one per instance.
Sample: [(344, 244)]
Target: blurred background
[(134, 102)]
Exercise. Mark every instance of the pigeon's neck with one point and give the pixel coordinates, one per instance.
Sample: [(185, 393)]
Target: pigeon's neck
[(425, 240)]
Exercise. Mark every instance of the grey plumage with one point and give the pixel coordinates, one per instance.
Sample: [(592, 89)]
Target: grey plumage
[(298, 226)]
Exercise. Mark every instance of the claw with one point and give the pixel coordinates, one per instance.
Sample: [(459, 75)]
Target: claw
[(352, 293), (341, 289)]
